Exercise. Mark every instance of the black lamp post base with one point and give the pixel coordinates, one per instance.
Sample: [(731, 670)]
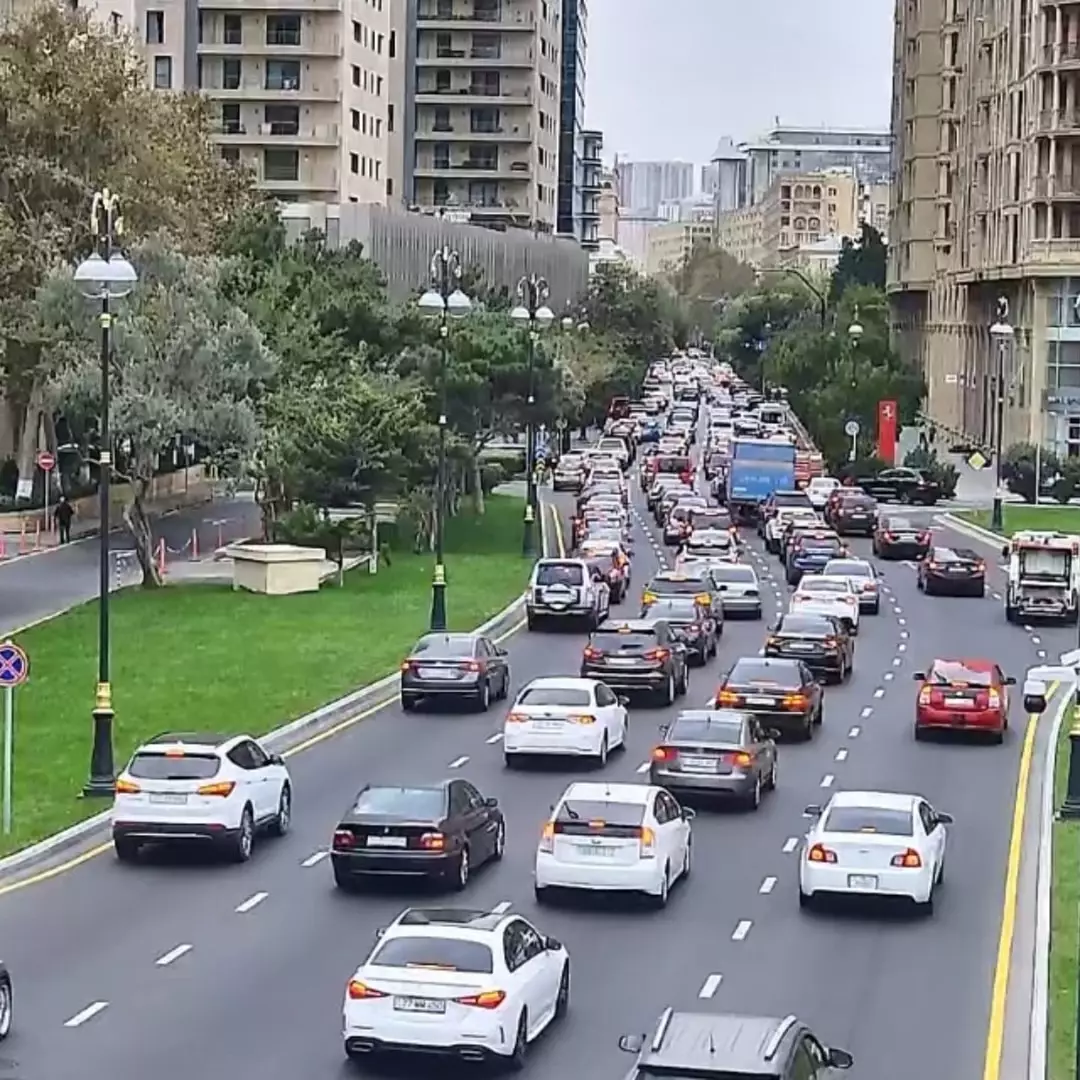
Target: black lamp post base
[(997, 515), (102, 782), (438, 599)]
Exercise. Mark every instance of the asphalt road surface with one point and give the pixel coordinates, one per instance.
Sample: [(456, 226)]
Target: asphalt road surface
[(38, 585), (173, 969)]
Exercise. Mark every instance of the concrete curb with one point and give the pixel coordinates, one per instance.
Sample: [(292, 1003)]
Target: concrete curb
[(327, 716), (974, 532)]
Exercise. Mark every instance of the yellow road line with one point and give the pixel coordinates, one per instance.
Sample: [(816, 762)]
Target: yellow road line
[(995, 1036), (558, 529)]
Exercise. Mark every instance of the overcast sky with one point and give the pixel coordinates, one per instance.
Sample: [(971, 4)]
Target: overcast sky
[(666, 78)]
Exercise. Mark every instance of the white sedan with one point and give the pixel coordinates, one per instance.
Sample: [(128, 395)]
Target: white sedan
[(565, 716), (778, 523), (819, 489), (474, 986), (821, 594), (873, 843), (614, 838)]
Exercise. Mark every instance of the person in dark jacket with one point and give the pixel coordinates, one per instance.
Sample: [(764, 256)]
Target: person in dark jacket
[(64, 513)]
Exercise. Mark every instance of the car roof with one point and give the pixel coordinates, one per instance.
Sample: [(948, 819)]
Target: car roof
[(878, 800), (191, 740), (561, 682), (481, 923), (809, 579), (973, 664), (702, 1043), (849, 562), (596, 791)]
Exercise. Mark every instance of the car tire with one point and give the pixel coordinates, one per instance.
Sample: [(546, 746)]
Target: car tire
[(283, 818), (498, 849), (512, 761), (998, 737), (819, 716), (753, 800), (920, 733), (682, 687), (463, 871), (343, 881), (876, 609), (541, 895), (516, 1061), (242, 843), (483, 696), (667, 695), (408, 703), (7, 1006), (927, 588), (660, 900), (531, 622), (562, 997), (770, 784), (926, 907), (600, 760), (806, 901), (127, 850)]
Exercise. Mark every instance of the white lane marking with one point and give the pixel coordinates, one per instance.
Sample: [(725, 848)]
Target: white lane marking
[(879, 693), (866, 712), (790, 844), (767, 886), (1042, 654), (644, 767), (87, 1014), (888, 676), (897, 661), (898, 610), (173, 954), (1029, 629), (1036, 641), (312, 860), (494, 738), (740, 932), (502, 907), (710, 986), (904, 634), (841, 754), (901, 647), (855, 732), (251, 902), (827, 780), (458, 762), (997, 596), (902, 622)]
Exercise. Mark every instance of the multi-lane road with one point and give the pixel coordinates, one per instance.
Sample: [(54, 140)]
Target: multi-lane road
[(174, 970)]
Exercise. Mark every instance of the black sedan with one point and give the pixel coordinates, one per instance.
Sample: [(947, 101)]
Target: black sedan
[(462, 666), (637, 656), (898, 538), (440, 832), (782, 692), (952, 571), (853, 515), (902, 485), (821, 642), (692, 623)]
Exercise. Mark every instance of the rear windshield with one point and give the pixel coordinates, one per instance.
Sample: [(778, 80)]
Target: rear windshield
[(716, 519), (627, 815), (756, 672), (553, 695), (869, 819), (424, 804), (857, 502), (714, 546), (440, 953), (678, 610), (734, 573), (151, 766), (612, 641), (702, 730), (806, 626), (953, 673), (823, 586), (559, 574), (444, 645), (819, 543), (791, 498), (672, 464), (689, 587)]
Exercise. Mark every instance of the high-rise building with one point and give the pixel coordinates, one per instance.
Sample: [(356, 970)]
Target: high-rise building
[(589, 212), (729, 164), (710, 178), (987, 207), (571, 115), (644, 185)]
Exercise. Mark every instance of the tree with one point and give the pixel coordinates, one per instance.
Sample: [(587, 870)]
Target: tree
[(185, 361), (708, 279), (862, 262), (634, 311)]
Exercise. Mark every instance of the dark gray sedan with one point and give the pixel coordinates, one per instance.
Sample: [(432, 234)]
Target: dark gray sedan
[(468, 667), (722, 752)]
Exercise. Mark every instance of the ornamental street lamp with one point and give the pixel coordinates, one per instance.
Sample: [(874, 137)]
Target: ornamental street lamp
[(104, 276), (1001, 332), (855, 330), (533, 312), (446, 300)]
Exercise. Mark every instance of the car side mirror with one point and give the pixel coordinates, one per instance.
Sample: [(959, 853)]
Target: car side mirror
[(276, 759), (379, 932), (663, 728), (1005, 551), (502, 652), (631, 1044), (840, 1059), (919, 676), (551, 945), (774, 734), (688, 814), (1009, 680), (1034, 696), (944, 819), (812, 811), (491, 802)]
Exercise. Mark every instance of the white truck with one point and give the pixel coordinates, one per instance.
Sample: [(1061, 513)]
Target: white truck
[(1044, 576)]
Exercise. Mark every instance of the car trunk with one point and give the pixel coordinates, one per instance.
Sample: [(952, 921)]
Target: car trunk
[(380, 832), (699, 758), (427, 995), (585, 843), (865, 851)]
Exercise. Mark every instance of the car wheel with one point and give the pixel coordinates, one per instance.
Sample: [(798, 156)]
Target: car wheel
[(806, 901), (283, 818), (243, 842), (660, 900), (540, 894), (126, 850), (688, 860), (926, 907), (602, 756), (511, 761), (819, 716), (483, 696), (516, 1061), (562, 999), (876, 609), (753, 800), (998, 737), (667, 695), (408, 703), (7, 1006), (498, 849), (684, 684), (344, 881), (770, 784), (461, 878), (920, 733)]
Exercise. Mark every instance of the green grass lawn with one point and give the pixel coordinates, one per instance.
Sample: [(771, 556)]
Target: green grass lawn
[(1064, 519), (204, 657)]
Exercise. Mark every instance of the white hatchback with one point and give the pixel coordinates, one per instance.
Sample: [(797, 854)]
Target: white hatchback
[(472, 985), (873, 843), (568, 716), (214, 789), (819, 489), (821, 594), (614, 838)]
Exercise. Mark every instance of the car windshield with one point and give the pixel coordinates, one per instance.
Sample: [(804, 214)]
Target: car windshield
[(174, 765), (869, 819), (423, 804), (806, 626), (559, 574), (610, 813), (702, 729), (444, 645), (434, 953), (957, 673), (554, 695), (672, 464), (857, 502), (749, 672), (680, 587)]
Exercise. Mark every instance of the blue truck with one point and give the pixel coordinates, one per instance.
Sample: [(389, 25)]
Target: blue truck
[(758, 468)]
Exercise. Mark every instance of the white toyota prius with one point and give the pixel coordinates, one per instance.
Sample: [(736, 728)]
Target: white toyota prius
[(820, 594)]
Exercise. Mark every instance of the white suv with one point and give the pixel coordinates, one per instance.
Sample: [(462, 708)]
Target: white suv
[(217, 789), (562, 589)]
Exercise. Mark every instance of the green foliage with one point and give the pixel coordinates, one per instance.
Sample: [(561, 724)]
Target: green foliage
[(1018, 470), (863, 262), (944, 473)]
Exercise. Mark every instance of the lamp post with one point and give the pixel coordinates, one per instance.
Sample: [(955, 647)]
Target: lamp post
[(104, 276), (569, 324), (445, 299), (532, 311), (822, 298), (1002, 333), (855, 330)]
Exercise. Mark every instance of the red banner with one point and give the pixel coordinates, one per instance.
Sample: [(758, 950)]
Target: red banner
[(886, 431)]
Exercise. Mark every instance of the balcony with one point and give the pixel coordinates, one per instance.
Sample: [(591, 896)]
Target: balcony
[(473, 169), (468, 17), (1064, 54), (329, 48), (1055, 187), (301, 7), (1058, 121), (477, 94), (476, 58), (590, 179), (465, 132), (324, 90), (284, 135), (1060, 251)]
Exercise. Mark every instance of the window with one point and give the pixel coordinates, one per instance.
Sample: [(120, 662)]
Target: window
[(231, 154), (354, 119), (390, 117), (233, 30), (230, 119), (283, 30), (281, 165), (393, 44), (803, 1067), (242, 757), (354, 163), (282, 75), (230, 73), (282, 119), (155, 28), (389, 186), (162, 72), (355, 75), (357, 31)]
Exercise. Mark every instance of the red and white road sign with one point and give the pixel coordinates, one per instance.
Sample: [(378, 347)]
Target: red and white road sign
[(45, 461)]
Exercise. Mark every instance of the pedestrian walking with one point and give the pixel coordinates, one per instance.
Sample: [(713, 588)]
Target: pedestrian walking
[(64, 513)]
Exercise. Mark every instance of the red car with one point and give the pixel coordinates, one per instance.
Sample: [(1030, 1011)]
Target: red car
[(963, 695)]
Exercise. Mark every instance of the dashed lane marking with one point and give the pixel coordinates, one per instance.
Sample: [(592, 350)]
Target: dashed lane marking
[(867, 710), (251, 902), (1042, 654), (827, 780), (458, 762), (88, 1013), (902, 622), (888, 676), (841, 754), (879, 692), (767, 886), (897, 661), (790, 844), (740, 931), (173, 954), (502, 907), (904, 634), (1036, 641), (710, 986), (491, 739), (901, 647), (854, 732), (314, 860), (1028, 629), (644, 767)]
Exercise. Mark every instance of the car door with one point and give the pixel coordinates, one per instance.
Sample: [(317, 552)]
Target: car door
[(490, 654), (677, 828), (518, 953), (1002, 689), (469, 820), (934, 831), (607, 713), (267, 779), (761, 746), (241, 756)]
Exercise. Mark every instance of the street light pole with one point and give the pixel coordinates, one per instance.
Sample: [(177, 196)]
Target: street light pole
[(445, 299), (105, 276), (822, 298), (1002, 333), (532, 311)]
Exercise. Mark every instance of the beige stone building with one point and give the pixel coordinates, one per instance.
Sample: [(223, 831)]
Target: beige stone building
[(986, 111), (739, 233), (669, 245)]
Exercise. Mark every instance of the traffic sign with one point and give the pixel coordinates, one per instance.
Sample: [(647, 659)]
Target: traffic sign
[(14, 665), (978, 460), (851, 428), (45, 461)]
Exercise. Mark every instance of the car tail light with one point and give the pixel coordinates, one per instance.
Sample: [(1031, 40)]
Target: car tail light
[(742, 759), (796, 701), (694, 628), (868, 586), (486, 999), (910, 859), (647, 842), (547, 838), (925, 694), (994, 700), (648, 598), (726, 697), (819, 853), (126, 787), (772, 642), (888, 536), (931, 565), (343, 840), (924, 538), (472, 665), (223, 788), (584, 718), (592, 654), (980, 567), (982, 700), (703, 598), (360, 991), (831, 642), (665, 753), (658, 655), (433, 841), (517, 718), (408, 665), (849, 600)]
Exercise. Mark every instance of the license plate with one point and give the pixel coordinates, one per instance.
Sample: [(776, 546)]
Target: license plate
[(958, 569), (387, 841), (548, 725), (862, 881), (437, 673), (801, 646), (959, 703), (169, 800), (419, 1005), (596, 852), (621, 662), (760, 700), (858, 517), (699, 764)]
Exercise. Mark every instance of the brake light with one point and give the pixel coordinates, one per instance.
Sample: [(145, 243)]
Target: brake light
[(433, 841), (742, 760), (796, 701), (664, 753), (516, 718), (868, 586), (772, 642), (547, 838), (910, 859), (657, 654), (888, 536), (980, 567), (472, 665), (994, 700), (694, 628), (406, 665), (726, 697), (647, 840), (831, 642), (591, 653), (359, 991), (648, 598), (126, 787), (343, 840), (224, 788), (931, 565), (924, 537), (487, 999), (821, 854), (174, 753), (849, 600), (585, 718), (925, 694)]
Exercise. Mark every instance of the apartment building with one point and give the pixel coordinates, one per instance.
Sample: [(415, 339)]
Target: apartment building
[(571, 115), (487, 109), (986, 107), (669, 245), (740, 233), (590, 189), (644, 185)]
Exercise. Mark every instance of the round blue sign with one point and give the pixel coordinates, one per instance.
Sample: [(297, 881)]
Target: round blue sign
[(14, 664)]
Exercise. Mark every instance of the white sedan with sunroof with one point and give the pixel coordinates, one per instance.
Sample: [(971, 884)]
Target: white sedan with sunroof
[(565, 716), (820, 594)]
